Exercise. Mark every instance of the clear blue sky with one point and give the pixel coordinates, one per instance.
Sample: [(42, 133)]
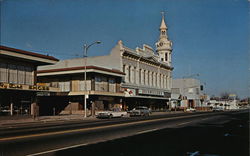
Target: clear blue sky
[(210, 37)]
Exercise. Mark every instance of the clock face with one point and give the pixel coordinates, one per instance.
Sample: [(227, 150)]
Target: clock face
[(161, 44)]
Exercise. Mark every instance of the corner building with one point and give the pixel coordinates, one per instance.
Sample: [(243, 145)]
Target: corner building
[(18, 81)]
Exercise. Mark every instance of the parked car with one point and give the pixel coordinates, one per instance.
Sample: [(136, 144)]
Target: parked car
[(5, 109), (116, 112), (191, 110), (217, 109), (140, 111)]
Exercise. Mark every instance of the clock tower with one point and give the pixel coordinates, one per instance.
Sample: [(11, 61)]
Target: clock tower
[(164, 45)]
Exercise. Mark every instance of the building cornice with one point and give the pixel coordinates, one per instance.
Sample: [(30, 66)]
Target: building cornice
[(80, 68), (145, 59)]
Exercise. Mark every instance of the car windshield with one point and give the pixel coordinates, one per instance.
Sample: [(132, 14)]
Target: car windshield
[(116, 109), (140, 108)]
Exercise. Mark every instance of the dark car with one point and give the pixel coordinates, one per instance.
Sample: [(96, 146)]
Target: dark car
[(140, 111), (217, 109)]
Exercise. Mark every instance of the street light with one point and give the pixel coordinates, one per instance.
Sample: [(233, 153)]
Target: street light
[(86, 47)]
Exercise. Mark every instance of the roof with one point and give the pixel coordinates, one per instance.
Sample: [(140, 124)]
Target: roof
[(28, 53), (163, 24), (80, 68)]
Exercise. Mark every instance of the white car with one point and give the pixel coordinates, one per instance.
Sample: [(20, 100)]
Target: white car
[(190, 110), (116, 112)]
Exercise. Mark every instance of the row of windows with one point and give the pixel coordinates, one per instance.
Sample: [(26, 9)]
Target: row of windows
[(16, 74), (104, 79), (101, 84), (145, 77)]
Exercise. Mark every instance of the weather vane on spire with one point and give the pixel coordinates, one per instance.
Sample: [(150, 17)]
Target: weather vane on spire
[(162, 14)]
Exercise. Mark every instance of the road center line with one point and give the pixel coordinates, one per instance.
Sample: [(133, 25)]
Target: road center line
[(183, 123), (92, 128), (146, 131)]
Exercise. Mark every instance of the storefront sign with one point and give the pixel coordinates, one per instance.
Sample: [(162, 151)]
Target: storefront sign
[(43, 93), (150, 92), (15, 86), (3, 85), (129, 92), (34, 87)]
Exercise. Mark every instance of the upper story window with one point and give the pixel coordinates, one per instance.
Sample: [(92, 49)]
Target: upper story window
[(12, 73), (3, 72), (111, 80), (64, 86), (166, 56), (98, 78), (124, 68), (129, 74)]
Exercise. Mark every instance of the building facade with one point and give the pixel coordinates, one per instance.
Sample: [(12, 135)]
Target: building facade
[(102, 86), (18, 80), (187, 93)]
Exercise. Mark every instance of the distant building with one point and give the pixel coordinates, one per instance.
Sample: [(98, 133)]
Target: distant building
[(228, 103), (187, 92), (18, 80), (145, 77)]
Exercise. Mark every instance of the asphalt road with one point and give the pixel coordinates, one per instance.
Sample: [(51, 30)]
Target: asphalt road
[(172, 134)]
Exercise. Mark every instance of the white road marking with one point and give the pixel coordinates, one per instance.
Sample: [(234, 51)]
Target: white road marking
[(141, 132), (184, 123), (204, 119), (146, 131), (58, 149), (92, 128)]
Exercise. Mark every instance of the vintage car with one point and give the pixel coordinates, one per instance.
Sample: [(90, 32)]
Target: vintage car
[(218, 109), (115, 112), (191, 110), (140, 111)]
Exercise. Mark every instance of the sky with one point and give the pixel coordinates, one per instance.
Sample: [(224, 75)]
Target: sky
[(210, 37)]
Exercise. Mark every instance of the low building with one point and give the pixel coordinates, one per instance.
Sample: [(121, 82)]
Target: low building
[(102, 86), (187, 93), (225, 104), (18, 80)]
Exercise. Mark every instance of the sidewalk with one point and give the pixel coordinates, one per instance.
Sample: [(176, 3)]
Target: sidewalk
[(10, 120)]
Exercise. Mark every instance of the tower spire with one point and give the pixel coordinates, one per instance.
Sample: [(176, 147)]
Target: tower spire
[(163, 24), (164, 45)]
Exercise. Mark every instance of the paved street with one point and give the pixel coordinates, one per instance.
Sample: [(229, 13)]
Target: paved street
[(166, 130), (223, 135)]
